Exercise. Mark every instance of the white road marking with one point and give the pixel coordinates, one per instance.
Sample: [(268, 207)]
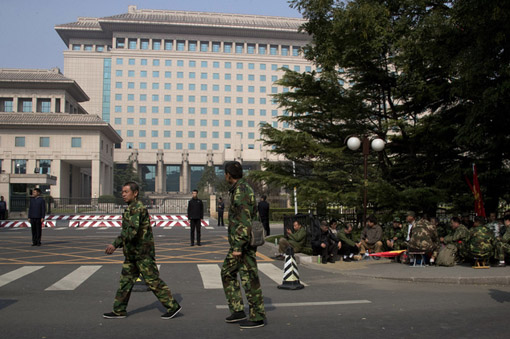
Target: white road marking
[(74, 279), (210, 274), (312, 303), (16, 274)]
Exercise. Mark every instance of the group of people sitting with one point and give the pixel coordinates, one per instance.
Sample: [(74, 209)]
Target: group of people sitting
[(481, 240)]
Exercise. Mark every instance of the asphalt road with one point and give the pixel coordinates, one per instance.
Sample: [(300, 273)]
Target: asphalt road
[(41, 305)]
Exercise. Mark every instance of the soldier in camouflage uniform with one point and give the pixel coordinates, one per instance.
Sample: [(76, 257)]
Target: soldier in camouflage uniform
[(137, 243), (394, 237), (481, 240), (503, 243), (423, 238), (241, 257), (458, 240)]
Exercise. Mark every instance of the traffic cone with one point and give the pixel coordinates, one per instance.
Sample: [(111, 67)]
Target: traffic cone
[(290, 272), (140, 285)]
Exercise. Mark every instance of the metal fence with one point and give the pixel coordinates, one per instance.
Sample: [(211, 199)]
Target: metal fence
[(111, 206)]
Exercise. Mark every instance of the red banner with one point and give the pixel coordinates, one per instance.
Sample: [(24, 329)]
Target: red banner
[(475, 188)]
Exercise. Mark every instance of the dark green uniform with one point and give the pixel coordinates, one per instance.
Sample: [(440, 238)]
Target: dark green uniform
[(297, 240), (481, 242), (243, 209), (137, 243), (458, 241), (503, 245), (390, 233)]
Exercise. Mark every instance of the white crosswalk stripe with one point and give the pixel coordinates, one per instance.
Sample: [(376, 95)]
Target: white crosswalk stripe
[(18, 273), (74, 279), (209, 273)]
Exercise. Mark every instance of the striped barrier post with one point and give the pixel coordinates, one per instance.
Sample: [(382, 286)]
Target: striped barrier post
[(290, 272)]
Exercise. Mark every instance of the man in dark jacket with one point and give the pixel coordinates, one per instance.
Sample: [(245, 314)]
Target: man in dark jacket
[(221, 210), (36, 214), (263, 208), (326, 244), (195, 216)]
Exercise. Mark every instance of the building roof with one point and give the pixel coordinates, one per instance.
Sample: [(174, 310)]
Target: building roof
[(175, 21), (58, 121), (41, 79)]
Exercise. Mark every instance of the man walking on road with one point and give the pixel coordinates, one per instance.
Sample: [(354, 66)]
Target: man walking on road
[(36, 214), (241, 257), (137, 242), (195, 216)]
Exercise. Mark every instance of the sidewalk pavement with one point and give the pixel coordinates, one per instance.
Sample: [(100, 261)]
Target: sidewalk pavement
[(386, 269)]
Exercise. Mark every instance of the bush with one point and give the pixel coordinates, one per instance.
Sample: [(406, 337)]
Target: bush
[(106, 199)]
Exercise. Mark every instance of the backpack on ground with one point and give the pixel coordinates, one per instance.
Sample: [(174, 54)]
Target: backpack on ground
[(446, 256)]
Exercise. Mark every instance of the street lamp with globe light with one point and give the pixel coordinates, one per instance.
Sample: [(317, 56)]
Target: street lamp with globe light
[(353, 143)]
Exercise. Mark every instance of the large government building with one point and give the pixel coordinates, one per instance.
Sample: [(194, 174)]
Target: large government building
[(183, 89)]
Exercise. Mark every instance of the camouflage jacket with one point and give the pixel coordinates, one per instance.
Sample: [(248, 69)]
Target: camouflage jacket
[(242, 210), (423, 236), (391, 232), (481, 241), (505, 239), (460, 234), (136, 237)]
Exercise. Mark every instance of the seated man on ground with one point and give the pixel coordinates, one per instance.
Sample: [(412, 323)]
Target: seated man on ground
[(349, 248), (503, 243), (326, 244), (481, 241), (423, 238), (295, 238), (394, 238), (457, 241), (371, 237)]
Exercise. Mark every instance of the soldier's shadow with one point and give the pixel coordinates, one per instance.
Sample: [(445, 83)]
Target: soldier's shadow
[(499, 296), (155, 305)]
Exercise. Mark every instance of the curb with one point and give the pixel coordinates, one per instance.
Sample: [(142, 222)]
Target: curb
[(309, 262)]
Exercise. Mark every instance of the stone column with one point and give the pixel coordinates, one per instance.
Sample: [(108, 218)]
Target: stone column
[(56, 172), (160, 173), (133, 159), (210, 163), (96, 178), (185, 172)]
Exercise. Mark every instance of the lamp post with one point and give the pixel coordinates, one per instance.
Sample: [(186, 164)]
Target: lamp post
[(353, 143)]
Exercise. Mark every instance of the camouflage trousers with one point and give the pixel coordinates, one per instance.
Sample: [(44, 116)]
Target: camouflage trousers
[(131, 270), (246, 266), (502, 249)]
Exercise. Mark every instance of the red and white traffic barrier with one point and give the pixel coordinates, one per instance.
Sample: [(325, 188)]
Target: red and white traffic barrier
[(20, 224), (85, 217)]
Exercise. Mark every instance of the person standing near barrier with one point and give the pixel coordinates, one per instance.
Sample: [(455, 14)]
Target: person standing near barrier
[(36, 214), (3, 208), (195, 216), (241, 257), (221, 210), (263, 208), (137, 242)]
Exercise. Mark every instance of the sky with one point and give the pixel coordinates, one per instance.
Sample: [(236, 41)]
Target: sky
[(28, 38)]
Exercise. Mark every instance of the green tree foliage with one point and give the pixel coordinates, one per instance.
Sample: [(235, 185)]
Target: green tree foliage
[(428, 76), (123, 174)]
